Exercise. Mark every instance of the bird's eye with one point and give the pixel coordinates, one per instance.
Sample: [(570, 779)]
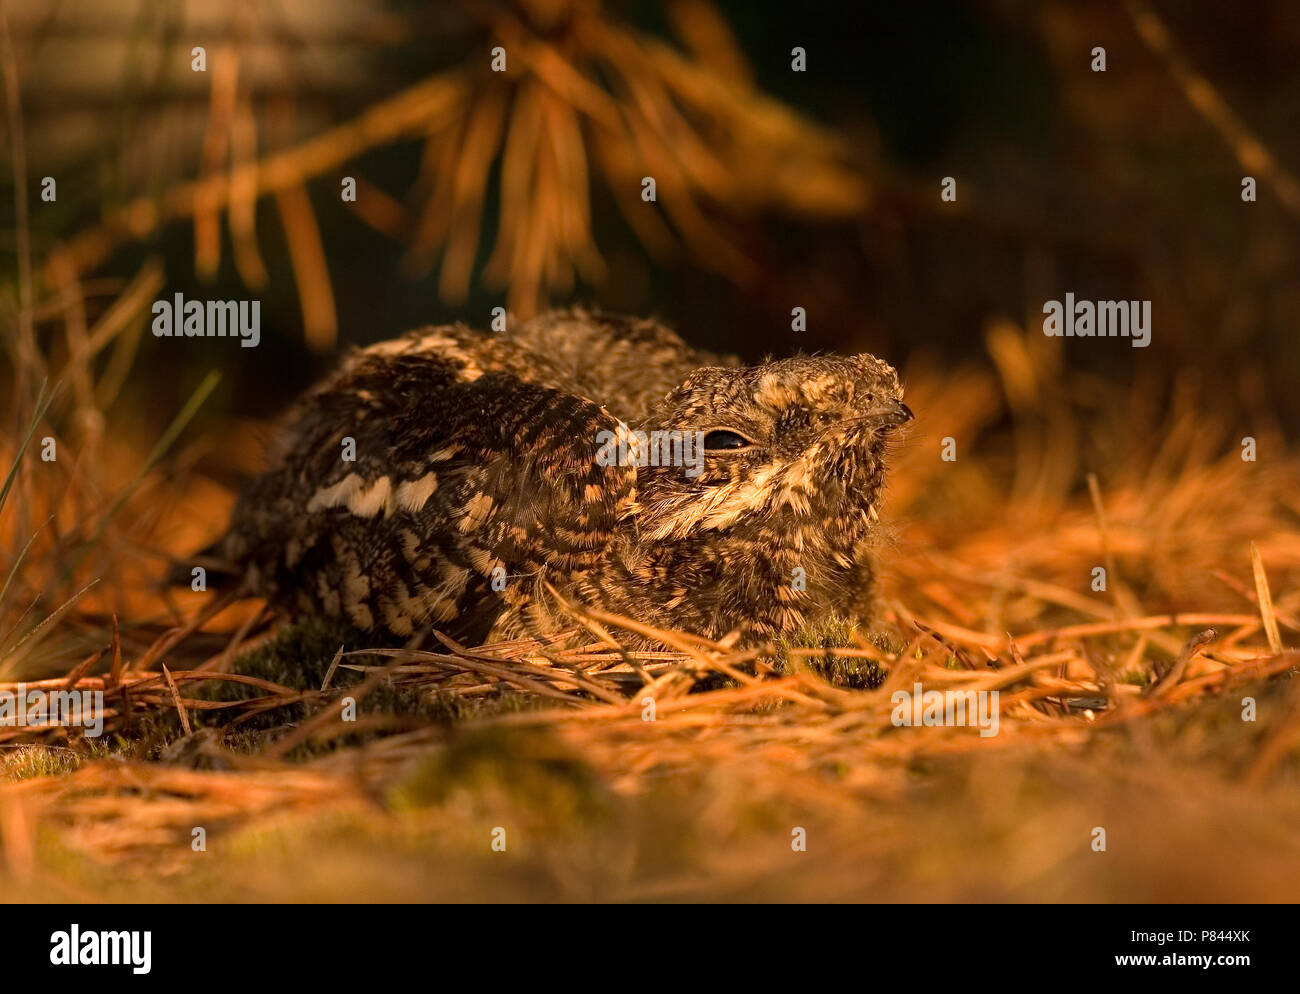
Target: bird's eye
[(723, 439)]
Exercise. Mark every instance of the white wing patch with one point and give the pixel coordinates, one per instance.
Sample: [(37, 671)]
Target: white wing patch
[(413, 494), (368, 500), (339, 493), (368, 503)]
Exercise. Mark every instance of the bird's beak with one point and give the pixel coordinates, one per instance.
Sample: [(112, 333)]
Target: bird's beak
[(897, 413)]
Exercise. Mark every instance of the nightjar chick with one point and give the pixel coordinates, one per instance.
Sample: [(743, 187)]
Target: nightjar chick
[(459, 480)]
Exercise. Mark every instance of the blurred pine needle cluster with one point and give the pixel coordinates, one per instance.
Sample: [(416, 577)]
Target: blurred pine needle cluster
[(578, 97)]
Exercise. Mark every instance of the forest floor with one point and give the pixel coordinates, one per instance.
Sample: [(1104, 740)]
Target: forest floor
[(1147, 742)]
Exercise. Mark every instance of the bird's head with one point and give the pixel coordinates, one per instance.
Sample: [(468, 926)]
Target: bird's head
[(793, 442)]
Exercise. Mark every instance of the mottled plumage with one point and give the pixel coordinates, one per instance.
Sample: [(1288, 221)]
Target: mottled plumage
[(480, 456)]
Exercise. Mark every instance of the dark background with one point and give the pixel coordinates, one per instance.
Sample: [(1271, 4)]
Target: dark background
[(1108, 185)]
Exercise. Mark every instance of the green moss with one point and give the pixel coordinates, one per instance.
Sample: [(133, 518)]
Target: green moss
[(530, 766), (300, 656), (851, 672), (25, 762)]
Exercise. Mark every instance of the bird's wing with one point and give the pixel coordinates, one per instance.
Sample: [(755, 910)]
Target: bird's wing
[(627, 364), (460, 466)]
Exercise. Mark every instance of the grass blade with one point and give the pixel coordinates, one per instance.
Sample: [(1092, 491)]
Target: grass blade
[(43, 402)]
